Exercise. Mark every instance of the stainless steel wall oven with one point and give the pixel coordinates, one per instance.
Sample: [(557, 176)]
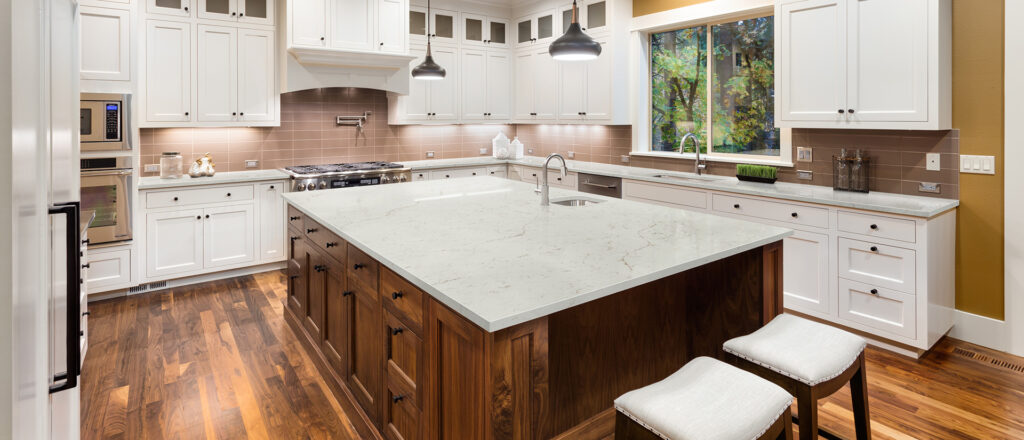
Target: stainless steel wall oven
[(107, 189)]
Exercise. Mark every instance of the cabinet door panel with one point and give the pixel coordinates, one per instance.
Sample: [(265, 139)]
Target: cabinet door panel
[(338, 303), (168, 71), (524, 85), (474, 85), (456, 376), (545, 83), (217, 75), (391, 25), (226, 10), (272, 228), (417, 103), (309, 23), (256, 11), (257, 100), (888, 60), (444, 94), (572, 93), (180, 8), (104, 36), (313, 319), (499, 85), (806, 272), (599, 87), (352, 24), (298, 277), (811, 72), (174, 242), (229, 236), (365, 377), (444, 26)]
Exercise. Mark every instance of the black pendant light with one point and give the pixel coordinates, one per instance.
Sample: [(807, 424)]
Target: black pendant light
[(574, 45), (428, 69)]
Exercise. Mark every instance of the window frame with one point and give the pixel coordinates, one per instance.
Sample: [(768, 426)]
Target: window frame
[(703, 14)]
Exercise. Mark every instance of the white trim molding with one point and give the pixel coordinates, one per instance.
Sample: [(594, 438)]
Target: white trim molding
[(1013, 156), (981, 330)]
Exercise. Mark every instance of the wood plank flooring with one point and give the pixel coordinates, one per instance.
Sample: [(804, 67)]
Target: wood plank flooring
[(216, 360)]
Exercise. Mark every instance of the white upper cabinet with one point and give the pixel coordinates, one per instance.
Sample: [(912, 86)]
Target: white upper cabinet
[(539, 28), (352, 26), (217, 65), (871, 64), (537, 86), (257, 99), (391, 36), (308, 25), (105, 45), (368, 33), (179, 8), (444, 94), (241, 11), (585, 92), (479, 30), (485, 93), (593, 16), (444, 26), (434, 100), (169, 71)]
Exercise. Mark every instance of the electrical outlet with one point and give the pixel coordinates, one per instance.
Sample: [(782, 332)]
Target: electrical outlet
[(624, 158), (529, 151), (929, 187), (977, 164), (572, 155), (804, 154), (251, 163), (152, 168), (430, 155), (483, 151), (804, 175), (932, 162)]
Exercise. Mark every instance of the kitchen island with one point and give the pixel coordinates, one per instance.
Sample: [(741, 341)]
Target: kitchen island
[(463, 309)]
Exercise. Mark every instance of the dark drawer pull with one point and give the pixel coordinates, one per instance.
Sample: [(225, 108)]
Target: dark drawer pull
[(358, 266), (293, 277), (346, 293), (874, 291), (293, 218), (332, 244), (737, 206), (396, 295), (794, 215), (875, 227), (874, 248), (397, 331), (319, 268), (229, 194), (85, 266), (294, 238), (398, 398), (310, 230)]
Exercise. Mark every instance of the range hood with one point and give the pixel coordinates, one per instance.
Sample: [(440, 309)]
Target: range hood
[(313, 68)]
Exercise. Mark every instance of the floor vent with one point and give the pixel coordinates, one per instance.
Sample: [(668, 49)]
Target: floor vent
[(1001, 363), (147, 287)]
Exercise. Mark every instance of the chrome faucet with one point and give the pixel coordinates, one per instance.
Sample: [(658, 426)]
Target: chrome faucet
[(698, 165), (544, 199)]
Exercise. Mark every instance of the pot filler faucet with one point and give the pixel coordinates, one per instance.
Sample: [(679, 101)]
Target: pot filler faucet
[(698, 165), (544, 199)]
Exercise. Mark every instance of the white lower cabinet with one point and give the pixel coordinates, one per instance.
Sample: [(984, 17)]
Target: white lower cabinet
[(877, 307), (806, 271), (109, 269), (203, 235), (457, 172)]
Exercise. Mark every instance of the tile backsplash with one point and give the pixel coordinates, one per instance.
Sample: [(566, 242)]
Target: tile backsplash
[(308, 135)]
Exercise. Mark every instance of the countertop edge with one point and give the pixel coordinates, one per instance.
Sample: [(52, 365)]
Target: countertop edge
[(153, 182), (547, 309)]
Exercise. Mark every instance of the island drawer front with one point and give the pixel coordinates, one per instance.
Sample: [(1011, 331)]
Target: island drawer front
[(295, 217), (420, 176), (362, 267), (881, 265), (878, 226), (184, 197), (878, 307), (672, 196), (402, 417), (403, 298), (326, 240), (782, 212), (403, 357)]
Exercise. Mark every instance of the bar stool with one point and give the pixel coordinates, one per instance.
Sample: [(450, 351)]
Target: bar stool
[(706, 399), (810, 361)]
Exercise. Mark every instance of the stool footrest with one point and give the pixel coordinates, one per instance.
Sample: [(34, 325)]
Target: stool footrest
[(822, 432)]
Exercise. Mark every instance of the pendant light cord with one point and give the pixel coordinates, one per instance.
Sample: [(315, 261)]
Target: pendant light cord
[(428, 26)]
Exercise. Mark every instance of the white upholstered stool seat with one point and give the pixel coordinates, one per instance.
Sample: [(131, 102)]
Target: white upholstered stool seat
[(800, 349), (707, 399)]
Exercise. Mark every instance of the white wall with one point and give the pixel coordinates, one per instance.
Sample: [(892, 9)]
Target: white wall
[(1013, 154)]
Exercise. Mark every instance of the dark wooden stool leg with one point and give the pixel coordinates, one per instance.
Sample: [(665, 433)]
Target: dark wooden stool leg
[(787, 426), (807, 412), (859, 391)]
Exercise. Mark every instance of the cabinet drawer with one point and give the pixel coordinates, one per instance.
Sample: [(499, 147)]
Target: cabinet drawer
[(183, 197), (401, 417), (499, 171), (325, 239), (403, 298), (457, 172), (665, 194), (295, 217), (877, 226), (403, 356), (362, 267), (887, 266), (108, 270), (781, 212), (878, 307), (420, 176)]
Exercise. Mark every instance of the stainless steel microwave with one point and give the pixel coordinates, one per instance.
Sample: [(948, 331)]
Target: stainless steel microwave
[(104, 122)]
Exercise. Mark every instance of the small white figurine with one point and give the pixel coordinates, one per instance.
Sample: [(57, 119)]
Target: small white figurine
[(202, 167)]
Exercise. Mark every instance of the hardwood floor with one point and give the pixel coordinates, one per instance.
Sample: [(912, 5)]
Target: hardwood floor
[(217, 360)]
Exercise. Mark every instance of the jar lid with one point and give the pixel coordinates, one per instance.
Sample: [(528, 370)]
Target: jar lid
[(171, 153)]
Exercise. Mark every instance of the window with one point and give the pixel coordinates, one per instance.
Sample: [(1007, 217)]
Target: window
[(716, 81)]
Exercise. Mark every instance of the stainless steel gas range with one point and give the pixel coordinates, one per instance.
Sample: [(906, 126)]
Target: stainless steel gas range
[(344, 175)]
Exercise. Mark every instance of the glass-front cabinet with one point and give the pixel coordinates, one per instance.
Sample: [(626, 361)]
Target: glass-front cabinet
[(241, 11), (180, 8), (592, 15), (479, 30), (537, 28), (443, 25)]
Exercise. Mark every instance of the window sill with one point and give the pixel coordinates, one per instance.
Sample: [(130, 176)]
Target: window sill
[(691, 156)]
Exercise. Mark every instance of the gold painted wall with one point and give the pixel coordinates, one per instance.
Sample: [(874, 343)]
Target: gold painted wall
[(978, 113)]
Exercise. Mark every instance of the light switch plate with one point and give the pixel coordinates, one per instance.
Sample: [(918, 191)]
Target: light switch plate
[(804, 175), (977, 164), (430, 154), (152, 168), (932, 162), (929, 187), (624, 158), (804, 154), (251, 163)]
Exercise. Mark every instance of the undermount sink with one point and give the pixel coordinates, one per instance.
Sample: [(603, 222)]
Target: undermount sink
[(689, 178), (575, 202)]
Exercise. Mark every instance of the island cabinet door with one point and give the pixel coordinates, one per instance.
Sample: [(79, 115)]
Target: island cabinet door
[(338, 302), (455, 382), (366, 376), (313, 320), (298, 277), (403, 360)]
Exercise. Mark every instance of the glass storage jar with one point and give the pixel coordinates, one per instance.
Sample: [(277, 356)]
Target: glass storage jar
[(171, 165)]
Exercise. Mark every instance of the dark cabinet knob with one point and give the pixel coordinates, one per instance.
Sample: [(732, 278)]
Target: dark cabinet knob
[(199, 217), (241, 113), (207, 215), (233, 14), (841, 111), (382, 44), (396, 295), (737, 206), (397, 331), (332, 244), (358, 266), (320, 268), (850, 111), (186, 8), (310, 230), (322, 38), (241, 14), (233, 113), (347, 293), (271, 186), (85, 266), (229, 194), (874, 291), (874, 248), (186, 113), (446, 176), (794, 215), (874, 227), (398, 398), (175, 199), (293, 218)]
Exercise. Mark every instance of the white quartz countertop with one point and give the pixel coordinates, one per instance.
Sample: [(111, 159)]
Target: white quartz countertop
[(485, 247), (217, 179), (915, 206)]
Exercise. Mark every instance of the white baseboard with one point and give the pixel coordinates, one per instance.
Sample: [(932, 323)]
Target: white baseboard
[(167, 284), (980, 330)]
